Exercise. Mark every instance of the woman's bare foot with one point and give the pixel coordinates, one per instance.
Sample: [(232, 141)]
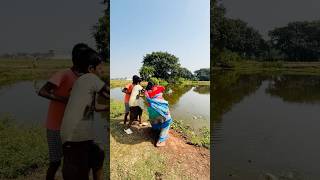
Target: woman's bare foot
[(160, 144)]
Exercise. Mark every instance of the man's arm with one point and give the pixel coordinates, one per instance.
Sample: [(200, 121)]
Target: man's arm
[(103, 93), (124, 90), (47, 91), (100, 107)]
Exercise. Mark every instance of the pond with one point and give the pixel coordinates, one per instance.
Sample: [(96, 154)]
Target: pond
[(21, 102), (190, 104), (266, 126)]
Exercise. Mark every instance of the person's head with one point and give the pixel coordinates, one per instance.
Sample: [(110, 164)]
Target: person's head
[(136, 79), (149, 86), (95, 63), (77, 56)]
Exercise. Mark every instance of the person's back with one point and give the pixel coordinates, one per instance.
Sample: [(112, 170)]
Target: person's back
[(135, 99), (78, 119), (81, 153), (128, 89), (63, 81)]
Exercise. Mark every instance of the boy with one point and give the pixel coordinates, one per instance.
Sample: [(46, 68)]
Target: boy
[(81, 153), (127, 90), (135, 103), (57, 89)]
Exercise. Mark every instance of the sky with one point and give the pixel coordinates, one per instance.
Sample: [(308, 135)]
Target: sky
[(179, 27), (41, 25), (264, 15)]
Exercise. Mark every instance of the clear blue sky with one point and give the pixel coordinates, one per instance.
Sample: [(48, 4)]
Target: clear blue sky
[(180, 27)]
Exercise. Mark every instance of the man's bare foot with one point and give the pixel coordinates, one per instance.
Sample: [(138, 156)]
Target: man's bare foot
[(160, 144)]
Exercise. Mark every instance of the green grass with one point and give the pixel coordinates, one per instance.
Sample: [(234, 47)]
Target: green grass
[(200, 138), (118, 83), (303, 68), (22, 151), (13, 70), (196, 83), (21, 69)]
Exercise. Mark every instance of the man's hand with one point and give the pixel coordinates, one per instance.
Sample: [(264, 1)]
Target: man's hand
[(47, 91)]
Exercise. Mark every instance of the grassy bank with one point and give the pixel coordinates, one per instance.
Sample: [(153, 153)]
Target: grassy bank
[(22, 69), (274, 67), (23, 149), (135, 157)]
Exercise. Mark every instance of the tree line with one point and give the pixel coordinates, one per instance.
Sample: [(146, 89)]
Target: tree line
[(164, 66), (234, 39), (24, 55)]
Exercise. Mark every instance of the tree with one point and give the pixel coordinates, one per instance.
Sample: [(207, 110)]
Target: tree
[(185, 73), (233, 35), (146, 72), (102, 32), (203, 74), (298, 40), (166, 66)]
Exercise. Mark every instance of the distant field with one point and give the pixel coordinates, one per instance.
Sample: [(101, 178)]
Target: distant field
[(12, 70)]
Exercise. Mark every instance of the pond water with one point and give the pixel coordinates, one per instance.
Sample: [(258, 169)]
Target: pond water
[(266, 126), (190, 104), (21, 102)]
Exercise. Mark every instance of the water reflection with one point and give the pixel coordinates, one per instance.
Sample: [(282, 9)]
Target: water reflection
[(266, 125), (202, 89), (293, 88)]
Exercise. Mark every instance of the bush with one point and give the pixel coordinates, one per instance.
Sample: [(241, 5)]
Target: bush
[(224, 58), (163, 82), (227, 58), (154, 80), (180, 81)]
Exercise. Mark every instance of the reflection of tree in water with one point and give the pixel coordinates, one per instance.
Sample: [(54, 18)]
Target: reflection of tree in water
[(229, 88), (296, 88), (202, 89), (176, 93)]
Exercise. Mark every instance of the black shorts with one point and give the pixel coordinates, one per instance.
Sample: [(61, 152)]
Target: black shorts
[(135, 111), (79, 158)]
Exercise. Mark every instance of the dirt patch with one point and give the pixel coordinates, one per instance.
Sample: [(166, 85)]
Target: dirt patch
[(194, 161)]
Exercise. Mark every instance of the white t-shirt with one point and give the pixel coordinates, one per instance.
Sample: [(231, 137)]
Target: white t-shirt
[(77, 123), (133, 101)]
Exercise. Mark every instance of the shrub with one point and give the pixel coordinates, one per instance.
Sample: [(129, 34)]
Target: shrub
[(154, 80)]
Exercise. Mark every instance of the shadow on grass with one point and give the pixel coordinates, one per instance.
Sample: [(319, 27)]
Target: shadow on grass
[(139, 135)]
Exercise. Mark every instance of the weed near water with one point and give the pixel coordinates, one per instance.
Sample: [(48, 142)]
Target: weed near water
[(22, 149)]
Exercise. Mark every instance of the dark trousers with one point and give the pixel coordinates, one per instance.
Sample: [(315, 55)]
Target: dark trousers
[(80, 158)]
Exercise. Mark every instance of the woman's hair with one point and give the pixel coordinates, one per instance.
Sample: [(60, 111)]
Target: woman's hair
[(149, 86)]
